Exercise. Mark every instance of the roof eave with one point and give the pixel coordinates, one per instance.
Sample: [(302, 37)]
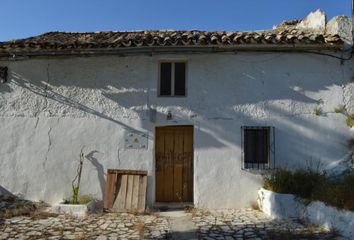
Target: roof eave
[(23, 52)]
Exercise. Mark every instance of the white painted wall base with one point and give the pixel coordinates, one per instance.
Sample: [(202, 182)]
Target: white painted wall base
[(282, 206), (279, 206)]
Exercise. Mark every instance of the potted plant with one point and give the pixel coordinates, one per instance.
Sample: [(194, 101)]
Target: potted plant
[(77, 205)]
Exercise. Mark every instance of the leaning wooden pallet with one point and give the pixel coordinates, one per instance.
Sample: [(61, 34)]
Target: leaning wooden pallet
[(125, 190)]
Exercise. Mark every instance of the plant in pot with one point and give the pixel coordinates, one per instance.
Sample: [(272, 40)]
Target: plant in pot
[(77, 205)]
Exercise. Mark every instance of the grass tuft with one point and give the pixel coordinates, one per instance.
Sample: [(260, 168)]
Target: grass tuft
[(254, 205), (350, 120), (82, 199), (191, 210), (317, 111), (339, 109), (140, 227)]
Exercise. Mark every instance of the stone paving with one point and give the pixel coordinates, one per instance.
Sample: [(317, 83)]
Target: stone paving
[(252, 224), (94, 226), (210, 225)]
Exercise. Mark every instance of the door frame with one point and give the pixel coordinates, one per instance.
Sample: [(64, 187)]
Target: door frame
[(173, 204)]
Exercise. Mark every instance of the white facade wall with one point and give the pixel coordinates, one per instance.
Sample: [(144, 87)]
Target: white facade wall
[(50, 109)]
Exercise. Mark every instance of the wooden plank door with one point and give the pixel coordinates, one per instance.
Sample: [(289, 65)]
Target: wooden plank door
[(174, 164)]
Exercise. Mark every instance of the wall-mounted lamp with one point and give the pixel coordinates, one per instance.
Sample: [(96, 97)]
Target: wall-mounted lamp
[(169, 115), (3, 74)]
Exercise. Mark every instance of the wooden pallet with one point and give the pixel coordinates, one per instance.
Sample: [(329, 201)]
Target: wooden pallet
[(125, 190)]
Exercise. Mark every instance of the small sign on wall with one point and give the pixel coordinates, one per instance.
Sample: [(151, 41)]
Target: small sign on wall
[(136, 140)]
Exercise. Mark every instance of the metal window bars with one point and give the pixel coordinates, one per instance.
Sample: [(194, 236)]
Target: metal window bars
[(271, 149)]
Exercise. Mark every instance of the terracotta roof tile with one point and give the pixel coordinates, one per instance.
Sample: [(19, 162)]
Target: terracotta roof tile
[(161, 38)]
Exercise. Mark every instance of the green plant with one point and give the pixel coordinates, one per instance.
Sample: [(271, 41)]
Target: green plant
[(312, 185), (75, 184), (278, 181), (317, 111), (299, 182), (339, 109), (81, 199), (75, 193), (350, 121)]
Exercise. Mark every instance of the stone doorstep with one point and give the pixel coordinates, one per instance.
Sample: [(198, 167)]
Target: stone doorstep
[(181, 225)]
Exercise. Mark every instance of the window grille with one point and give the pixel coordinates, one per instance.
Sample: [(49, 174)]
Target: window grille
[(258, 147)]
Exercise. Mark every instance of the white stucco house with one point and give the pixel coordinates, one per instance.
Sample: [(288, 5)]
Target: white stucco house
[(204, 112)]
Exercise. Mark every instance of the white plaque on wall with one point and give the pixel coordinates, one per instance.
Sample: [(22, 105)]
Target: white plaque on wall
[(136, 140)]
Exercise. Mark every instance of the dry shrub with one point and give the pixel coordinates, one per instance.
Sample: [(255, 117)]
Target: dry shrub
[(42, 215), (254, 205), (134, 211), (299, 182), (191, 210), (148, 211), (337, 192), (19, 211), (81, 199)]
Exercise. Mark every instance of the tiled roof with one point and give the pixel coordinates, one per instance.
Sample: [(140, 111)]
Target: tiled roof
[(161, 38)]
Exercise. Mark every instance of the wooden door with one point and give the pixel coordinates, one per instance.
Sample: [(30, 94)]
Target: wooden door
[(174, 164)]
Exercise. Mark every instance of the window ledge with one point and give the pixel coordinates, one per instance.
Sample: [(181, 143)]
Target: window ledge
[(257, 171)]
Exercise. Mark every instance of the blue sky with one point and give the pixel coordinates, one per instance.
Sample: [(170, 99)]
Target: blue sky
[(24, 18)]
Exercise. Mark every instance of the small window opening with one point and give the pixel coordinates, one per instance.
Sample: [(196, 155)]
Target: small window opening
[(172, 79)]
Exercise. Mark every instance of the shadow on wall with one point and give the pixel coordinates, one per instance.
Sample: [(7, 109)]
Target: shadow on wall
[(5, 192), (46, 92), (99, 168)]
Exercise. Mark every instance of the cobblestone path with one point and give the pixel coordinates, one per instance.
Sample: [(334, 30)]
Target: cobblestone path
[(210, 225), (102, 226), (252, 224)]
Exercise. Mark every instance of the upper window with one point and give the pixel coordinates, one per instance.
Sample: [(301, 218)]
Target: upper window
[(172, 79), (258, 147)]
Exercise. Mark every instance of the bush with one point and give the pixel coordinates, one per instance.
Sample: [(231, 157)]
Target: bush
[(299, 182), (279, 181), (337, 192)]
